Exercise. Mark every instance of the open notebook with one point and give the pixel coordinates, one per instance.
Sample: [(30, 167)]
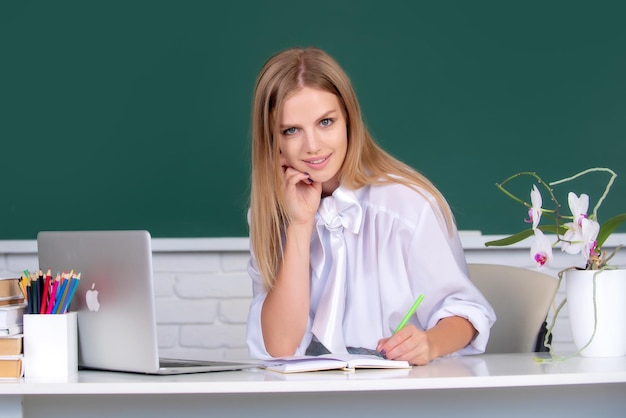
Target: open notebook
[(115, 301), (349, 362)]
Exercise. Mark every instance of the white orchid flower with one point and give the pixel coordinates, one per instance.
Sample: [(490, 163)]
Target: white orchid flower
[(534, 213), (541, 249), (576, 240), (572, 242), (581, 237), (578, 206), (590, 230)]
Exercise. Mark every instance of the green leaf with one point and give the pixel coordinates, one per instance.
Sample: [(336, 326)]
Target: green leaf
[(560, 230), (608, 227), (511, 239), (520, 236)]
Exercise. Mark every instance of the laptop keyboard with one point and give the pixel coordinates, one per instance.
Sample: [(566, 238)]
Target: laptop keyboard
[(164, 362)]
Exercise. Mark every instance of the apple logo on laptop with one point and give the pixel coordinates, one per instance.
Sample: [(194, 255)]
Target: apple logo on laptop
[(91, 297)]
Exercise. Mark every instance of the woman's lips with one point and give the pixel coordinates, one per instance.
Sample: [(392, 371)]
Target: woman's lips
[(317, 162)]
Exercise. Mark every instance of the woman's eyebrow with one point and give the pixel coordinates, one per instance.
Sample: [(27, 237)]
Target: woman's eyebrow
[(323, 116)]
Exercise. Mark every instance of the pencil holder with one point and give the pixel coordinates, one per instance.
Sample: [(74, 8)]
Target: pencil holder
[(50, 345)]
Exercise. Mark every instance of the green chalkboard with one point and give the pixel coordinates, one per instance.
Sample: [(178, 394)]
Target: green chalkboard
[(135, 114)]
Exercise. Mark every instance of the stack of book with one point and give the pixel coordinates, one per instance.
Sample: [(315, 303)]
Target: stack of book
[(12, 309)]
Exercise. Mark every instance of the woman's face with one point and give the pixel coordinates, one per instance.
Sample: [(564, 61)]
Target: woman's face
[(313, 136)]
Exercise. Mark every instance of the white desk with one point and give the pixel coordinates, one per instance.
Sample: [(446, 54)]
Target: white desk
[(487, 386)]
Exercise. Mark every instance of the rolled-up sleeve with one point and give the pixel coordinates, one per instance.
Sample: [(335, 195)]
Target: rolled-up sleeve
[(254, 332), (438, 264), (256, 345)]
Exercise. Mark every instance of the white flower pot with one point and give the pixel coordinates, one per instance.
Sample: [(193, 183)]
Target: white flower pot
[(610, 336)]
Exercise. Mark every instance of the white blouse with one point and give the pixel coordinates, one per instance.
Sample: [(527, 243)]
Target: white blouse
[(373, 252)]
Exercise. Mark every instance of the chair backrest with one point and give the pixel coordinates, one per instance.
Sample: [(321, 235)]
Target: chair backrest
[(521, 299)]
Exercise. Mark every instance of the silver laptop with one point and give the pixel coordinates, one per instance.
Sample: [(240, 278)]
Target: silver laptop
[(115, 301)]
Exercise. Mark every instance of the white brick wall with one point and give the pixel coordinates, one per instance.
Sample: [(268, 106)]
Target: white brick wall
[(202, 303), (202, 289)]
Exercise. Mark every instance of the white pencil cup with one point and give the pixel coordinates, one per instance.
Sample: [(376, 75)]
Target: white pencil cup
[(50, 345)]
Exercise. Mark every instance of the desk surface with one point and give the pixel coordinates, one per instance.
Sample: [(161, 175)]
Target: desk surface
[(484, 371), (486, 386)]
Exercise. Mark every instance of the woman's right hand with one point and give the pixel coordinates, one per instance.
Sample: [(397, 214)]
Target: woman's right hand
[(303, 195)]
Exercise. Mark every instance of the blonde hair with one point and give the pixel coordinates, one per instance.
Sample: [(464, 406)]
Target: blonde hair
[(365, 162)]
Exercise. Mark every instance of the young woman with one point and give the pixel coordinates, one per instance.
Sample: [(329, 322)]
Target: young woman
[(345, 237)]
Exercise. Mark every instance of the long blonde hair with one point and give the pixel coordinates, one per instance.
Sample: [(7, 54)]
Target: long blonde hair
[(365, 162)]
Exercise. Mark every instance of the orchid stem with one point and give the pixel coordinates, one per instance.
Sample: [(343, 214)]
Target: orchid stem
[(587, 171)]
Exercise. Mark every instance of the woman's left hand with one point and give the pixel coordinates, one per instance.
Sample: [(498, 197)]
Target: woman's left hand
[(409, 344), (419, 347)]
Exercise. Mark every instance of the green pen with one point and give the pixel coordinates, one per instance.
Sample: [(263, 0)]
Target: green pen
[(410, 313)]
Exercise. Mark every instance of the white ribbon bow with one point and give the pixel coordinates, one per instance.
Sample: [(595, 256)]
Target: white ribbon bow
[(336, 213)]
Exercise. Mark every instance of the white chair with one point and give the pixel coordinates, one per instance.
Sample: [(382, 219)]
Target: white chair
[(521, 299)]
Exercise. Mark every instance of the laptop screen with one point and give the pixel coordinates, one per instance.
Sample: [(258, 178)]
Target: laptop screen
[(115, 297)]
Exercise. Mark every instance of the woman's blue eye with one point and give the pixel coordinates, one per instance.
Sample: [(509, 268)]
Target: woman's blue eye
[(289, 131), (326, 122)]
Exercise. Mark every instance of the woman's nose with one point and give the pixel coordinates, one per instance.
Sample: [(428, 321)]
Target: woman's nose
[(312, 142)]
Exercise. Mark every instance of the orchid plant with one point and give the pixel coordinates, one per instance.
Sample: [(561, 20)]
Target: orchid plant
[(578, 233)]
